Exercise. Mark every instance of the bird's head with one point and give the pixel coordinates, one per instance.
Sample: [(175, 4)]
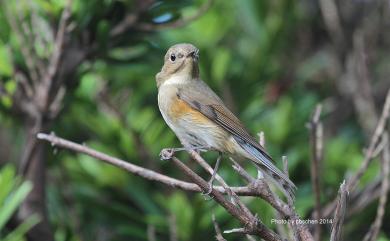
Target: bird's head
[(181, 60)]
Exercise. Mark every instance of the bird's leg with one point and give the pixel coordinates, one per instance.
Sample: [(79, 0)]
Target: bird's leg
[(167, 153), (214, 173)]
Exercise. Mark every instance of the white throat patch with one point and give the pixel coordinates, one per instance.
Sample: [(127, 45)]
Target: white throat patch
[(176, 79)]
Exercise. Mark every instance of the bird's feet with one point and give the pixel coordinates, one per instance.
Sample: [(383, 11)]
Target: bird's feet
[(210, 189), (214, 173), (167, 153)]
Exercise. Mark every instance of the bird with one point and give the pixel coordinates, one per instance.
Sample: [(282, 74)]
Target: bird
[(200, 119)]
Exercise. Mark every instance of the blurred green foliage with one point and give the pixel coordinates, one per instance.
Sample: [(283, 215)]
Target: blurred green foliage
[(13, 191), (251, 54)]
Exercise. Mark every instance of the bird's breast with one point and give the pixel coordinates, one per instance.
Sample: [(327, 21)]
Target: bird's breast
[(190, 126)]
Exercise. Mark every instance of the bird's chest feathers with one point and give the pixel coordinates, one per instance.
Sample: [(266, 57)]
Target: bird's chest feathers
[(186, 122), (176, 110)]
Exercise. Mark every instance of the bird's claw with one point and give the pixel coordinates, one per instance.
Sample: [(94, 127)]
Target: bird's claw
[(210, 188), (208, 193), (167, 153)]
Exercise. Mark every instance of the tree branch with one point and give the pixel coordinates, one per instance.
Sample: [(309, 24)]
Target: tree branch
[(376, 225), (218, 235), (137, 170), (45, 87), (316, 144), (252, 225), (379, 130), (339, 213), (265, 193)]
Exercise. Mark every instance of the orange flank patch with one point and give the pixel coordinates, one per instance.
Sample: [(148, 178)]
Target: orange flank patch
[(180, 109)]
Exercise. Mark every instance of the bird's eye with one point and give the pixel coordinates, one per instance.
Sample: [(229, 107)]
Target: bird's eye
[(173, 57)]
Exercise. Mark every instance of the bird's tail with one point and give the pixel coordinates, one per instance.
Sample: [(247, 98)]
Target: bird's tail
[(264, 162)]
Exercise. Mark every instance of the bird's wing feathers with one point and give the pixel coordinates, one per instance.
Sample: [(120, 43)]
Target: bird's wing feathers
[(214, 109)]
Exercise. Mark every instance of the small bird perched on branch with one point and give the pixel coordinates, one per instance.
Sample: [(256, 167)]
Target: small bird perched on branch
[(200, 119)]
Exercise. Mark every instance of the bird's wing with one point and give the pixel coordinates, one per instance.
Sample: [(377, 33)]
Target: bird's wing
[(200, 97)]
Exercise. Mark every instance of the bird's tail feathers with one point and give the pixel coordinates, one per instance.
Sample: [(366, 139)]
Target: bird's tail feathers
[(264, 162)]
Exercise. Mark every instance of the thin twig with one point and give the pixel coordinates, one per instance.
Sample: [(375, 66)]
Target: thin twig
[(380, 128), (369, 154), (339, 213), (316, 144), (58, 44), (30, 43), (235, 230), (218, 235), (372, 234), (151, 233), (285, 165), (235, 199), (261, 138), (23, 43), (172, 228), (332, 20)]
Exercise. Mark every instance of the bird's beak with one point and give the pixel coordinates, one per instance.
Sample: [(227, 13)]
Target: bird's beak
[(194, 55)]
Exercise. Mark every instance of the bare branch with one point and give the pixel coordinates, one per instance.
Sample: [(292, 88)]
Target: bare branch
[(380, 128), (126, 23), (339, 213), (130, 21), (172, 228), (285, 165), (265, 193), (316, 144), (376, 225), (261, 138), (235, 198), (23, 43), (136, 170), (58, 45), (332, 20), (252, 225), (369, 154), (151, 233), (26, 86), (131, 18), (218, 235), (29, 42), (235, 230)]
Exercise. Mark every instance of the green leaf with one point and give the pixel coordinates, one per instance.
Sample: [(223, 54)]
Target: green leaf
[(18, 233), (6, 101), (89, 86), (6, 67), (10, 86), (7, 182), (13, 201)]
